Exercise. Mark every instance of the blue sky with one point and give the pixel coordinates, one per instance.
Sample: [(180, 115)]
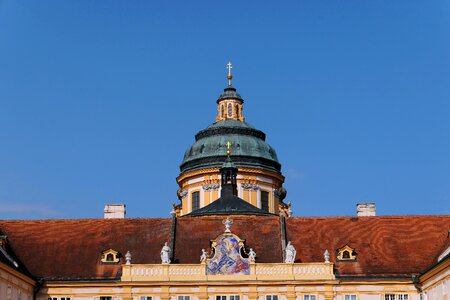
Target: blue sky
[(100, 99)]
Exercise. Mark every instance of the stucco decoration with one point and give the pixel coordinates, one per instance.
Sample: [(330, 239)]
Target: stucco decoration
[(181, 193), (250, 186), (210, 186), (227, 259)]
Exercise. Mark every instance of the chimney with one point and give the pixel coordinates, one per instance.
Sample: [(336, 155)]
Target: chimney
[(114, 211), (366, 210)]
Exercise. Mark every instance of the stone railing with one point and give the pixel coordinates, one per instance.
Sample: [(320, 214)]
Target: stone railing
[(197, 272)]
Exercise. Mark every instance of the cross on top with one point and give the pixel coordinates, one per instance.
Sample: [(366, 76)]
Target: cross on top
[(229, 67)]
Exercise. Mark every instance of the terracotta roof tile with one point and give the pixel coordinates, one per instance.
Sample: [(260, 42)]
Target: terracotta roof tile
[(71, 249), (386, 246), (262, 233)]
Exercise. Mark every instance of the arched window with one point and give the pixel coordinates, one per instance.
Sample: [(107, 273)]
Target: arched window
[(222, 111), (230, 110), (110, 256), (236, 110), (346, 255)]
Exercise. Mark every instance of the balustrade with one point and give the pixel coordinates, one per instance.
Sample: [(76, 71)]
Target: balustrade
[(197, 272)]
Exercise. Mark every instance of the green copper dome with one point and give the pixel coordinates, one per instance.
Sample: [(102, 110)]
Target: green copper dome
[(248, 147)]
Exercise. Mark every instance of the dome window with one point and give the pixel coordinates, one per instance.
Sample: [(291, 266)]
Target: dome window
[(265, 201), (195, 200), (230, 110)]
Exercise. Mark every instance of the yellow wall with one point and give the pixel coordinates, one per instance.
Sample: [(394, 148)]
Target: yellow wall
[(196, 180), (14, 284)]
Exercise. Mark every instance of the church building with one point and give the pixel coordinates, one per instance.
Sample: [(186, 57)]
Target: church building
[(231, 236)]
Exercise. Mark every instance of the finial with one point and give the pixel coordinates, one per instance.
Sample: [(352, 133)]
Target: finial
[(326, 256), (227, 222), (228, 148), (229, 67), (128, 258)]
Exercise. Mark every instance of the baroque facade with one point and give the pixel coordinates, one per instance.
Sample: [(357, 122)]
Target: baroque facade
[(231, 237)]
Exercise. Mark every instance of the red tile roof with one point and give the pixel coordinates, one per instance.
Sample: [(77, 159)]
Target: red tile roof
[(70, 249), (262, 233), (386, 246)]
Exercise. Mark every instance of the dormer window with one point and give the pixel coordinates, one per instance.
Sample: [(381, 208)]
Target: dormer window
[(346, 253), (110, 256)]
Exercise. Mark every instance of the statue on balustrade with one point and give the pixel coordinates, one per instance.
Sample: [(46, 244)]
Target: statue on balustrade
[(165, 254), (290, 253)]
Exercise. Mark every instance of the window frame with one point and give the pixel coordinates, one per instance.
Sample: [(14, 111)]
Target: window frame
[(272, 297), (184, 297), (228, 296), (145, 297), (309, 296), (396, 296), (230, 110), (350, 296), (268, 200), (197, 200)]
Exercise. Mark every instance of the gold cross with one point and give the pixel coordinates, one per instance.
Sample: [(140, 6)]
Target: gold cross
[(229, 67), (228, 148)]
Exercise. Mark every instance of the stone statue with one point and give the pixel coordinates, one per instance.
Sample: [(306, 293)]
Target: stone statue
[(128, 258), (165, 254), (252, 255), (227, 222), (204, 256), (290, 253), (326, 255)]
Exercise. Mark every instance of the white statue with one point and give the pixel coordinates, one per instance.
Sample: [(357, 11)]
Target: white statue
[(227, 222), (289, 211), (326, 255), (252, 255), (128, 258), (290, 253), (165, 254), (204, 256)]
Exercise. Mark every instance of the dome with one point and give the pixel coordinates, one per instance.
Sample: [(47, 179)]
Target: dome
[(230, 93), (248, 147)]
